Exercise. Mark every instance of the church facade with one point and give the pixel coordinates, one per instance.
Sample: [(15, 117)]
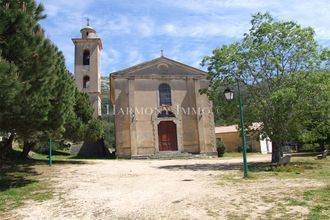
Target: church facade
[(159, 109)]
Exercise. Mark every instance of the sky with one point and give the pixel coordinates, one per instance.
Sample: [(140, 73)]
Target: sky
[(135, 31)]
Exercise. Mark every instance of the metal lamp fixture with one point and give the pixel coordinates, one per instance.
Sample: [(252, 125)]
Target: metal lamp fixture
[(229, 94)]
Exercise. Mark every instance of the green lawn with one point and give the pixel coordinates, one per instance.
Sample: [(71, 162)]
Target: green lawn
[(21, 181), (55, 157), (316, 200)]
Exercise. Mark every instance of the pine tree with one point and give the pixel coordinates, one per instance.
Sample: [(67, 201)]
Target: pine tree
[(41, 98)]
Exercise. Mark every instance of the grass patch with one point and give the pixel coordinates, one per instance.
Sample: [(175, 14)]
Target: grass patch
[(316, 200), (55, 156), (235, 216), (238, 154), (321, 200), (20, 182), (62, 156), (295, 202)]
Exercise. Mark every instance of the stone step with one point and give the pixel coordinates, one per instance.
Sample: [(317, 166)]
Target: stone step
[(171, 155)]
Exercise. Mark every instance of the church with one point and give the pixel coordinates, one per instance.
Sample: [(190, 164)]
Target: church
[(158, 107)]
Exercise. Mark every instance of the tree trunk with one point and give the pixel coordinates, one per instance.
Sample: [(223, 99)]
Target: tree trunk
[(7, 145), (276, 152), (26, 149), (322, 145)]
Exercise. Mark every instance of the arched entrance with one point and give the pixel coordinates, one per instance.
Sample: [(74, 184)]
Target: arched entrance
[(167, 136)]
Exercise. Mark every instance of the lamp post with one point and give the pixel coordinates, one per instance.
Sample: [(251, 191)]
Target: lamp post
[(50, 152), (229, 95)]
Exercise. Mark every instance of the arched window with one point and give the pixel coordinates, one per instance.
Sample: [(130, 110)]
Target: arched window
[(86, 82), (165, 94), (86, 57)]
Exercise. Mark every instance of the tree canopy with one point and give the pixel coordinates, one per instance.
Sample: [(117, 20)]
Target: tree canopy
[(261, 62), (40, 97)]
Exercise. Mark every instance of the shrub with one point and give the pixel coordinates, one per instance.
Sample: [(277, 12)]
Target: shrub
[(220, 148), (248, 148)]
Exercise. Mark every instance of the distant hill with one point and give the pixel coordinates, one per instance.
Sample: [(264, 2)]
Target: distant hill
[(105, 92), (105, 87)]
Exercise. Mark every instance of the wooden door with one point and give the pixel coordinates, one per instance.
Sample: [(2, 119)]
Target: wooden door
[(167, 136)]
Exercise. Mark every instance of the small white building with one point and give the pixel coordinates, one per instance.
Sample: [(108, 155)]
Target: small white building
[(231, 136)]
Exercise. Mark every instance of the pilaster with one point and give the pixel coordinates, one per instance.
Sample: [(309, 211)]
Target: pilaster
[(199, 117), (131, 101)]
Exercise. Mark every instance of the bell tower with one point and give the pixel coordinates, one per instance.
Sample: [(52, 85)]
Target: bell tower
[(87, 71)]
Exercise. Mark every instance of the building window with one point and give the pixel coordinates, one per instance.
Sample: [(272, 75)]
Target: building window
[(86, 57), (86, 82), (87, 33), (165, 94)]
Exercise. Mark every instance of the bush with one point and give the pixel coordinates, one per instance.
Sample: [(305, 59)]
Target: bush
[(109, 131), (248, 148), (42, 147), (220, 148)]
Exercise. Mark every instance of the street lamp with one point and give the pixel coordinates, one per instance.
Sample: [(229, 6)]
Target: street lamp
[(229, 94)]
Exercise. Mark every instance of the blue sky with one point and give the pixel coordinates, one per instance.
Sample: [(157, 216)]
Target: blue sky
[(134, 31)]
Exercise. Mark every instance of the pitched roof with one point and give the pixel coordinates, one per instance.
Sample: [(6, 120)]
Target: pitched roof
[(160, 66), (234, 128)]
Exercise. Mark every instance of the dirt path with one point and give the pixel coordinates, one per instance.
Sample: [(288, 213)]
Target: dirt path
[(153, 189)]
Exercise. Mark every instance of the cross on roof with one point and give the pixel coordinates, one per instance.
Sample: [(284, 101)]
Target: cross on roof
[(87, 19)]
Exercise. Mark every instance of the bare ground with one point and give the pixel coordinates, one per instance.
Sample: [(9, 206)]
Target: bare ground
[(164, 189)]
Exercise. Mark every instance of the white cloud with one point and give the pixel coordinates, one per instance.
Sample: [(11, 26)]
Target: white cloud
[(218, 6), (125, 24), (134, 57), (56, 8), (120, 24), (186, 29), (109, 60), (170, 29), (305, 12), (308, 13), (205, 29), (145, 26), (192, 56)]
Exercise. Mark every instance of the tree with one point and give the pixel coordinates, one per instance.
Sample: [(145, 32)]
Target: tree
[(10, 88), (76, 125), (311, 111), (21, 41), (41, 98), (107, 116), (269, 52), (94, 131), (109, 130)]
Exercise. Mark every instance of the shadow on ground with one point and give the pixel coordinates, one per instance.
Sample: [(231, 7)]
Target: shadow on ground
[(17, 173), (14, 176), (254, 167)]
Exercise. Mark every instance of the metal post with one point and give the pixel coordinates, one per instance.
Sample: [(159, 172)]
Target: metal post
[(241, 111), (50, 152)]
